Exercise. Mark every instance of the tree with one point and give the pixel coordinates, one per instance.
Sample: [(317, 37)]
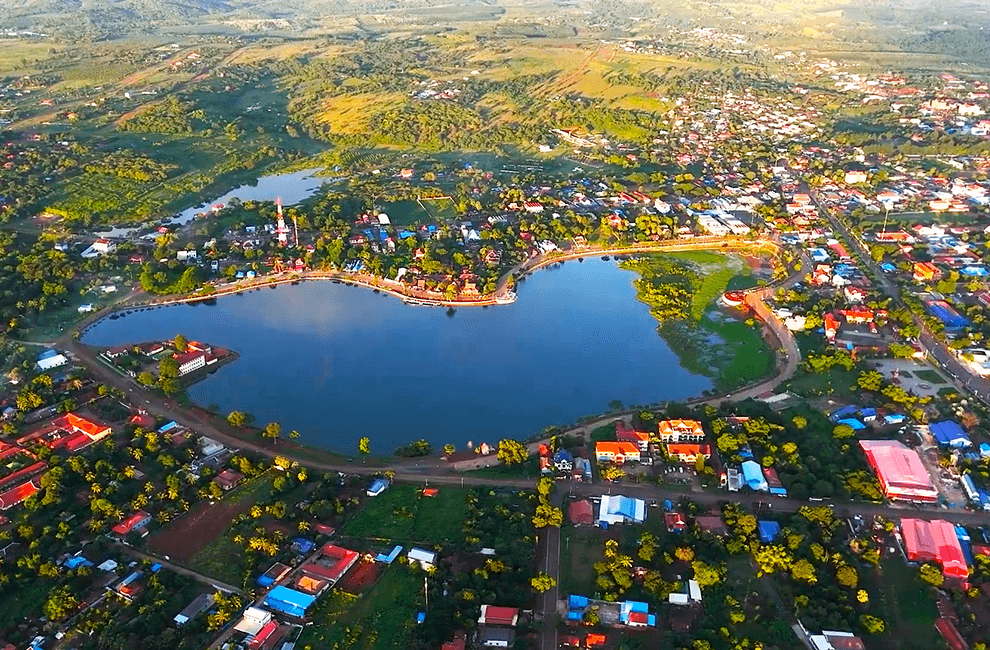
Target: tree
[(146, 379), (871, 624), (803, 570), (862, 596), (547, 516), (448, 449), (542, 583), (272, 430), (684, 553), (364, 446), (237, 418), (512, 452), (931, 574), (61, 603), (871, 380), (168, 368), (800, 421), (294, 434), (612, 473), (181, 343), (648, 545), (846, 576), (170, 386), (707, 575), (842, 431)]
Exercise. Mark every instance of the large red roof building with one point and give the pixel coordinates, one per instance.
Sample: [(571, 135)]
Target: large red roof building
[(934, 541), (900, 470)]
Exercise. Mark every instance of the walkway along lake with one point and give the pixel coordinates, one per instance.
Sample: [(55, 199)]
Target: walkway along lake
[(337, 362)]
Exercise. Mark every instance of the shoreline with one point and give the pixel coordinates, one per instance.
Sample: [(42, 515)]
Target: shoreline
[(432, 299)]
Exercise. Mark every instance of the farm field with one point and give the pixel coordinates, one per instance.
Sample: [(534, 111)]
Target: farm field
[(198, 539)]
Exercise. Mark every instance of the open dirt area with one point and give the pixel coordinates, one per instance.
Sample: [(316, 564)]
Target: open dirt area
[(187, 535)]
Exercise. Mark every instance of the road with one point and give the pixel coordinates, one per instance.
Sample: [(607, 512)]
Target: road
[(549, 554), (199, 577)]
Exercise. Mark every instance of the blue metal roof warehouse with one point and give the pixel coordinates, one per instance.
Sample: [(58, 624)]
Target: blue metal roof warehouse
[(950, 434), (289, 601)]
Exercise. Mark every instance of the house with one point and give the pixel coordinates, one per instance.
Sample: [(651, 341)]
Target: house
[(712, 524), (377, 486), (688, 453), (200, 604), (563, 461), (496, 637), (228, 479), (274, 573), (253, 620), (836, 641), (855, 176), (288, 601), (616, 452), (680, 431), (190, 362), (617, 509), (457, 643), (636, 614), (625, 433), (425, 559), (493, 615), (136, 521), (580, 513), (926, 272), (331, 564), (50, 359), (17, 495), (675, 522)]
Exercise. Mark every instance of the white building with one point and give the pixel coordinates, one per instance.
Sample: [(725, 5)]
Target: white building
[(425, 559), (53, 361), (190, 362), (617, 509)]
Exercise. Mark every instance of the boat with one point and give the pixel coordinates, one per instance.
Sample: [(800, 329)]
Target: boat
[(507, 298), (733, 298)]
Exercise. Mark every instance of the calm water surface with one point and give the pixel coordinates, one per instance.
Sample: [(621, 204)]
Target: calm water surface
[(337, 362)]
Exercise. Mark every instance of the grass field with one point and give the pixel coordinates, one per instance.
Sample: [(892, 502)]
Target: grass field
[(530, 468), (833, 382), (401, 513), (907, 607), (930, 376), (404, 213), (580, 548), (381, 619)]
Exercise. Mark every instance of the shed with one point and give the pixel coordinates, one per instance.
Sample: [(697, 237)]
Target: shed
[(377, 486), (199, 604), (388, 559), (854, 423)]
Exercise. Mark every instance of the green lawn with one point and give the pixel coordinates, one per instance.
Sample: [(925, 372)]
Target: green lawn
[(528, 469), (401, 513), (836, 382), (24, 601), (580, 548), (930, 376), (907, 607), (380, 620)]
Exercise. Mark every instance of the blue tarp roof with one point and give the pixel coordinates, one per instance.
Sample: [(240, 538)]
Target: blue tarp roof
[(854, 423), (950, 434), (768, 530), (868, 412), (388, 559), (985, 449), (893, 418), (577, 602)]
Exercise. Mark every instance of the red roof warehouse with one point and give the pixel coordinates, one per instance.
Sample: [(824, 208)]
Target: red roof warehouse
[(900, 470), (934, 541)]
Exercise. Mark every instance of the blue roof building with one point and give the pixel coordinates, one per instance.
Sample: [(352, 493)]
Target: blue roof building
[(769, 531), (950, 434), (388, 559), (302, 545), (843, 412), (985, 449), (894, 418), (753, 476), (289, 601), (77, 561), (854, 423), (377, 487)]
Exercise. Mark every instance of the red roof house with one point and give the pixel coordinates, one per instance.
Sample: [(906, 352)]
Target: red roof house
[(934, 541), (581, 513), (139, 519), (332, 563), (18, 495), (492, 615), (951, 635)]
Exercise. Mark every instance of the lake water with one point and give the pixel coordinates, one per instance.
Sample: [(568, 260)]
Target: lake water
[(291, 188), (337, 362)]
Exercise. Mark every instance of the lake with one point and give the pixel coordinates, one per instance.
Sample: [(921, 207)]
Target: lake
[(291, 188), (338, 362)]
